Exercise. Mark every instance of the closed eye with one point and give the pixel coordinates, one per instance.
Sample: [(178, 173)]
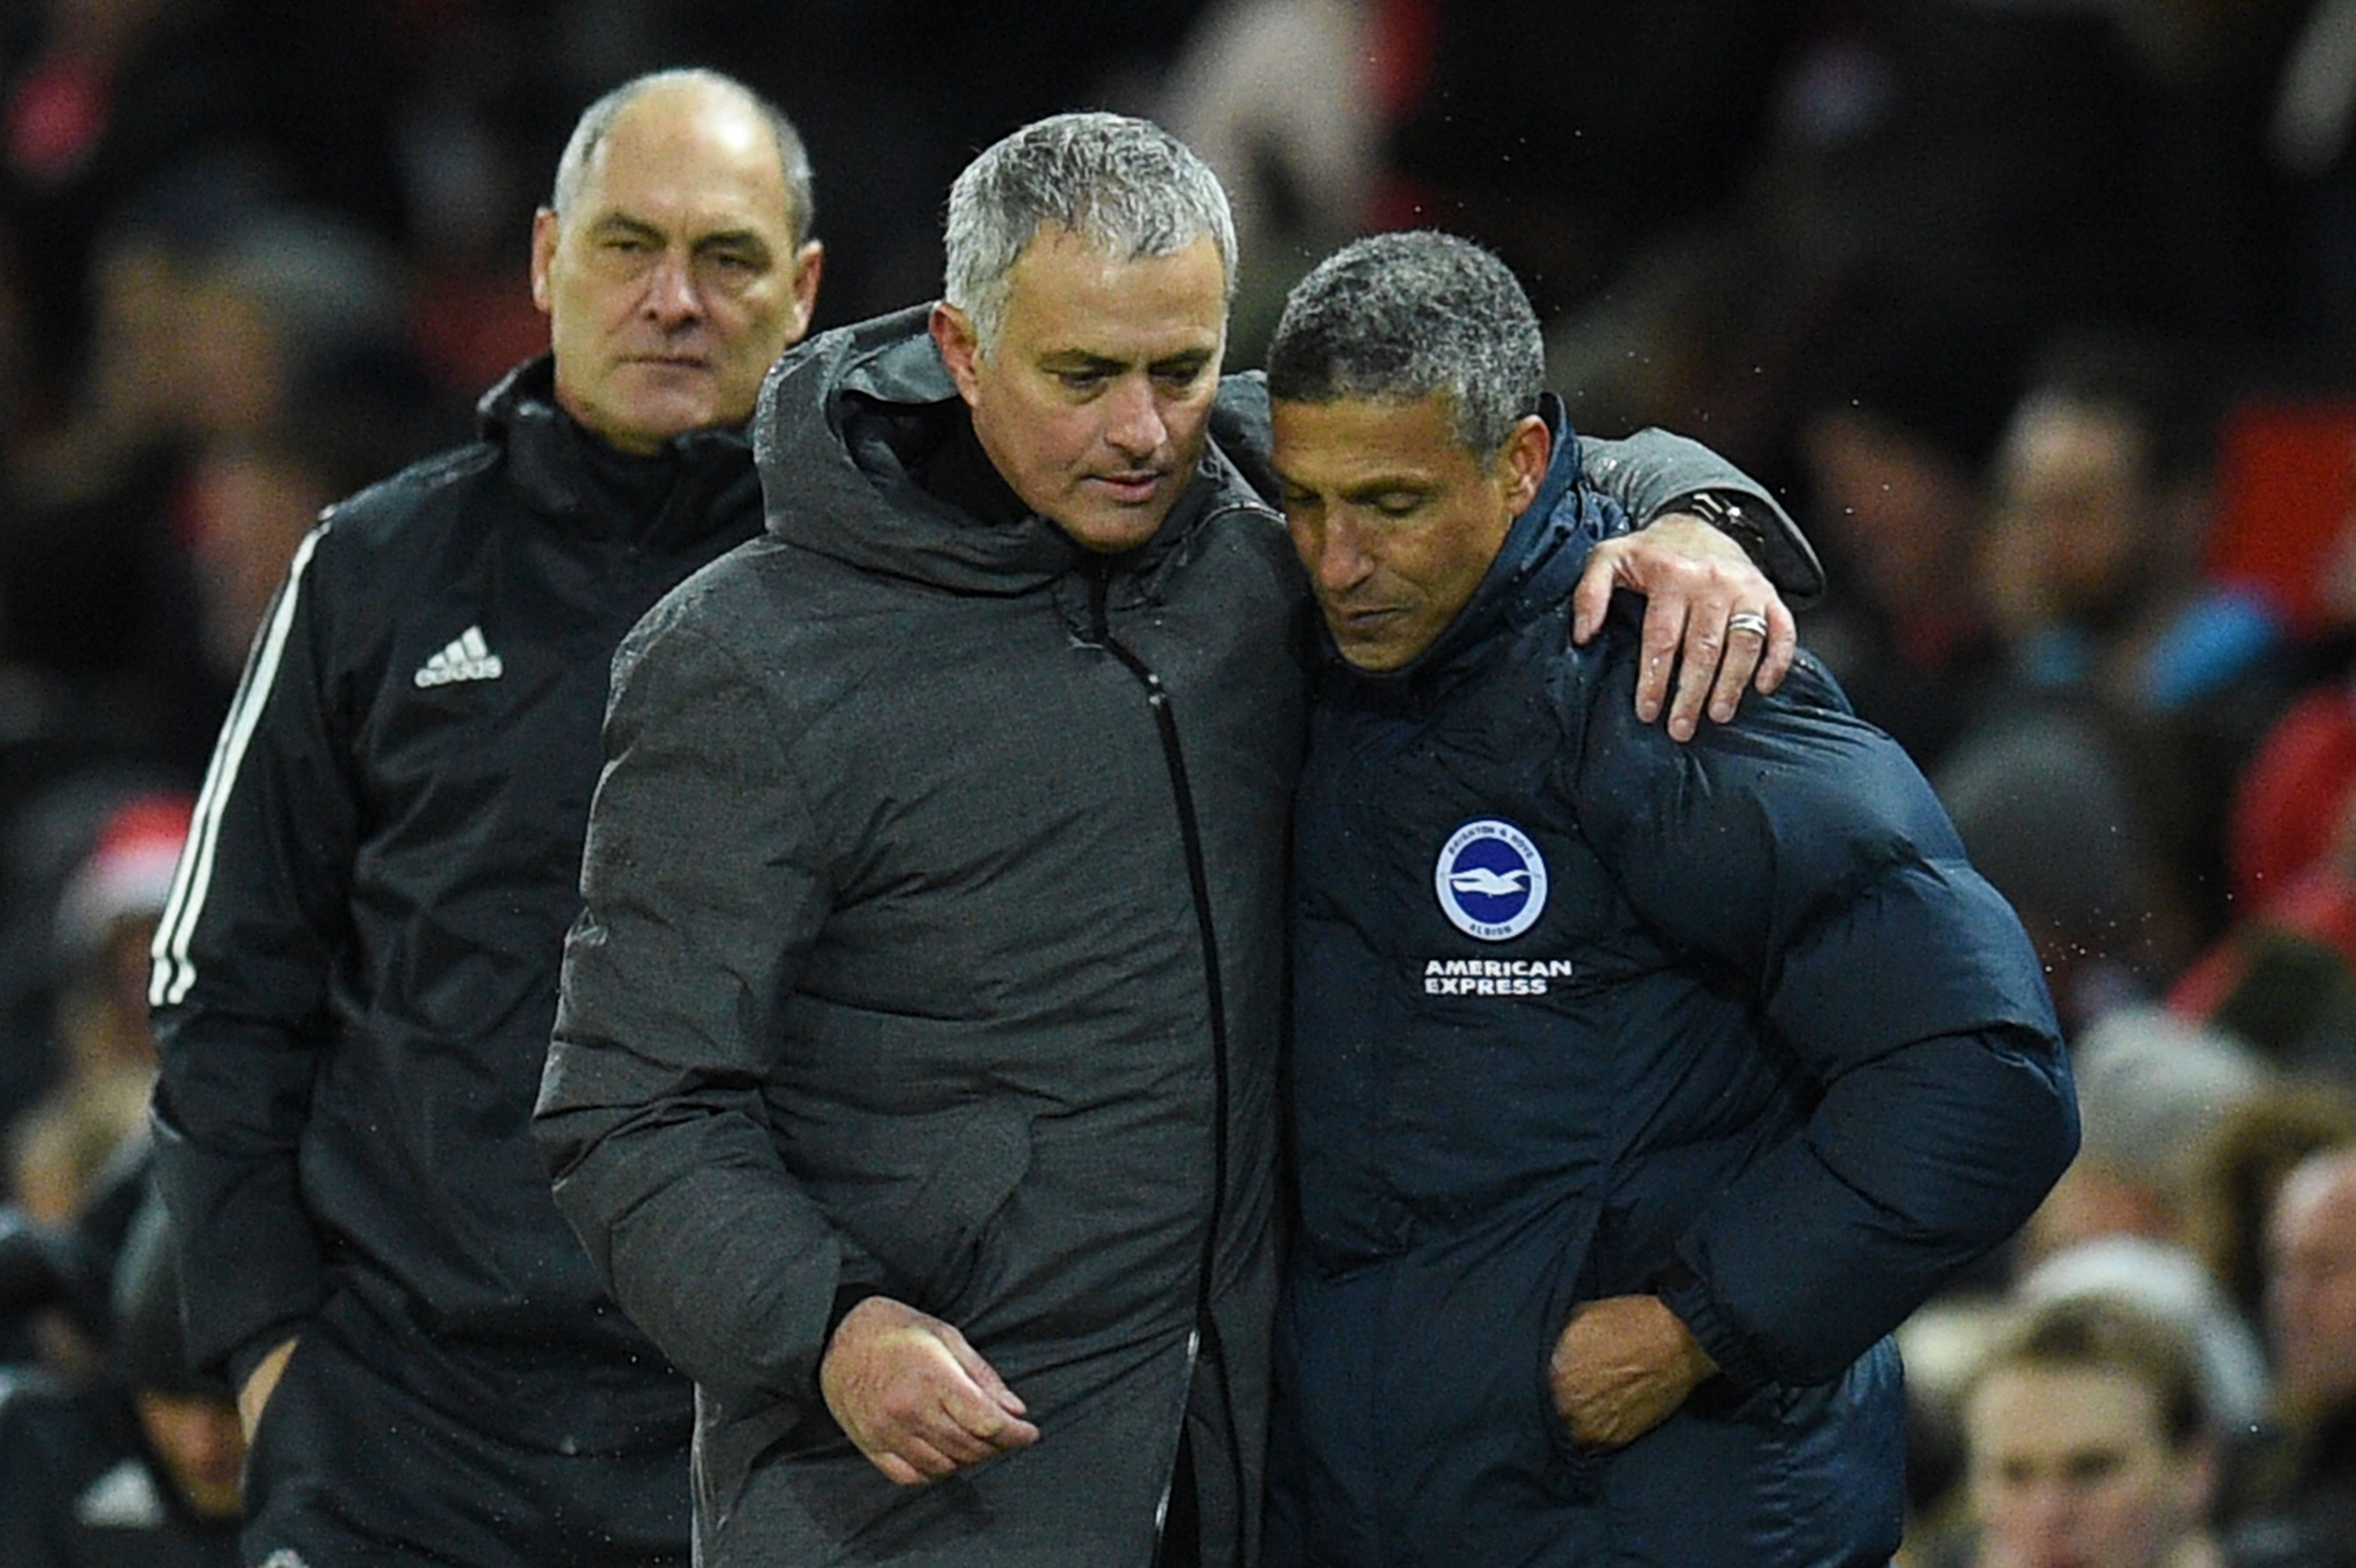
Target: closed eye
[(1181, 373)]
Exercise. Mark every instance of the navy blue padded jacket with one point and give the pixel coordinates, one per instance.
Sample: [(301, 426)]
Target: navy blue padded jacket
[(1582, 1012)]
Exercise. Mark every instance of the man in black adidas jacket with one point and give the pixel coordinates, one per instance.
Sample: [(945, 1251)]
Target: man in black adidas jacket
[(355, 975), (1640, 1090)]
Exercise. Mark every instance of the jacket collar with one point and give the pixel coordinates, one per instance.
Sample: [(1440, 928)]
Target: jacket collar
[(672, 496)]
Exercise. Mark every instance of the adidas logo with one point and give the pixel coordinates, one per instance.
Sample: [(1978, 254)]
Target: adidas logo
[(468, 658)]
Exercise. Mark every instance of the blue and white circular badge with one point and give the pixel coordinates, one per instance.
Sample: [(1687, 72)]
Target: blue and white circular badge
[(1491, 880)]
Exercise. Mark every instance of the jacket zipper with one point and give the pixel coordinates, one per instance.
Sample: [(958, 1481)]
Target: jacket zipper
[(1157, 699)]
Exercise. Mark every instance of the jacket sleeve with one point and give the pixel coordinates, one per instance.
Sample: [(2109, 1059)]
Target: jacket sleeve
[(1654, 472), (704, 887), (242, 960), (1800, 850)]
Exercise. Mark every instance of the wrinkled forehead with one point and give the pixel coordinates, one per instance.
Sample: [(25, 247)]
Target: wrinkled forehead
[(1069, 292), (690, 159)]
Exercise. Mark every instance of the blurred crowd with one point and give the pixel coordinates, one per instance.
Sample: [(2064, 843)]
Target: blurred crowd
[(2039, 313)]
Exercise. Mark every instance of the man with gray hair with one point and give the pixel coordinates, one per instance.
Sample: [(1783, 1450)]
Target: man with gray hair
[(913, 1079), (1639, 1089), (356, 974)]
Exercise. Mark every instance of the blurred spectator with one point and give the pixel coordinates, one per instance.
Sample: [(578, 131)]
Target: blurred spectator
[(2049, 816), (1277, 97), (136, 1468), (52, 1281), (2100, 489), (1896, 439), (55, 1278), (2283, 975), (2309, 1495), (98, 97), (1947, 1346), (2104, 507), (2283, 972), (106, 917), (2170, 1281), (1942, 1346), (2135, 686), (224, 318), (2089, 1444), (2152, 1089), (106, 104), (2240, 1167), (55, 799), (249, 499), (2288, 807), (486, 89)]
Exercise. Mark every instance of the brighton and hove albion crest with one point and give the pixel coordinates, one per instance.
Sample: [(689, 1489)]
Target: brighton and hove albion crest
[(1491, 880)]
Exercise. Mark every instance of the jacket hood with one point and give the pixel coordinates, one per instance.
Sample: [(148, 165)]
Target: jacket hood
[(1536, 565), (846, 421)]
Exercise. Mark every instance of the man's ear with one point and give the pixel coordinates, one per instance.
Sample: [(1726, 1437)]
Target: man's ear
[(960, 348), (808, 263), (545, 228), (1521, 460)]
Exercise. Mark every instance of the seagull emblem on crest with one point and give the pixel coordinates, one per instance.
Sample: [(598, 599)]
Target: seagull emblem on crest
[(1489, 884)]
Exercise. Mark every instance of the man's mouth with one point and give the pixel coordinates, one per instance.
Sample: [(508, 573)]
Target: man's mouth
[(1360, 616), (1367, 624), (1131, 489)]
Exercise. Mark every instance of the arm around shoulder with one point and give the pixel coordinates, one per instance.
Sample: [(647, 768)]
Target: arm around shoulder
[(1655, 472)]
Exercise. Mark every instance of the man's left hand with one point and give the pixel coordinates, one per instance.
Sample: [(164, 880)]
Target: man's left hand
[(1695, 581), (1621, 1365)]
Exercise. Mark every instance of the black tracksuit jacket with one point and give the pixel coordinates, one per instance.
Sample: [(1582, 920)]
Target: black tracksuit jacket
[(356, 976)]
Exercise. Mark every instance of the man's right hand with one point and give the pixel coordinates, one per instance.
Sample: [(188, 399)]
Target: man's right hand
[(914, 1396), (260, 1384)]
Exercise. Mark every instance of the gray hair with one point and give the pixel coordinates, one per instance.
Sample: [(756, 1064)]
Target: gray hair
[(1393, 318), (597, 120), (1126, 186)]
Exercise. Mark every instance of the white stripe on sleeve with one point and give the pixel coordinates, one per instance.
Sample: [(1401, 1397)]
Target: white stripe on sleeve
[(173, 973)]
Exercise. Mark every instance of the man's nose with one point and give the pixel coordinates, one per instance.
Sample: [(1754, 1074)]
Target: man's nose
[(672, 297), (1136, 428), (2051, 1505), (1338, 562)]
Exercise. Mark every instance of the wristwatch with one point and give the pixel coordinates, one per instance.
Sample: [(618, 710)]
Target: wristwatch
[(1725, 510)]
